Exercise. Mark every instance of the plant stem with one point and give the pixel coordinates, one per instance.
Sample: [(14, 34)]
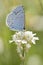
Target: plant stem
[(23, 54)]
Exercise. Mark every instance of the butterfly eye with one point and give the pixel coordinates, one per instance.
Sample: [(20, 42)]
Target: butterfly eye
[(24, 28)]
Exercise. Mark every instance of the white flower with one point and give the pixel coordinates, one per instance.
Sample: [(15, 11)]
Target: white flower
[(14, 38), (34, 39), (23, 40), (28, 46), (28, 34), (30, 37)]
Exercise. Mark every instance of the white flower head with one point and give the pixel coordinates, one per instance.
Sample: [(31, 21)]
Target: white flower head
[(23, 40)]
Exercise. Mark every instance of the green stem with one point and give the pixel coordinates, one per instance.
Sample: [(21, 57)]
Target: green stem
[(23, 56)]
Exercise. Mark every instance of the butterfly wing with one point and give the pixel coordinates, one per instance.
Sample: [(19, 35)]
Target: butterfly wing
[(15, 20)]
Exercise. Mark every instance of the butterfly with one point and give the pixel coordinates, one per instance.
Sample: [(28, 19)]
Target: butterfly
[(15, 20)]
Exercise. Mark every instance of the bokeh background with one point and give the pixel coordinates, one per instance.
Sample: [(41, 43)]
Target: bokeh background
[(33, 21)]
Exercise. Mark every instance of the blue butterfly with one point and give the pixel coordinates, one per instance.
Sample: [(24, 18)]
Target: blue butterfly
[(16, 19)]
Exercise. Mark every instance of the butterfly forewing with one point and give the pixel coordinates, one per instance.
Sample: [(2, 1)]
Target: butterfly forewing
[(15, 20)]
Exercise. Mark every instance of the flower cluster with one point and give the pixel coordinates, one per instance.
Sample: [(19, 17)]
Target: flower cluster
[(23, 40)]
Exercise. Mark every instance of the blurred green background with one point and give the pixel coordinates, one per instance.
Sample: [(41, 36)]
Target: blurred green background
[(33, 21)]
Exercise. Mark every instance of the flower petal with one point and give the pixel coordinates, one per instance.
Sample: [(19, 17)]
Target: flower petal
[(35, 38), (10, 41), (33, 41)]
